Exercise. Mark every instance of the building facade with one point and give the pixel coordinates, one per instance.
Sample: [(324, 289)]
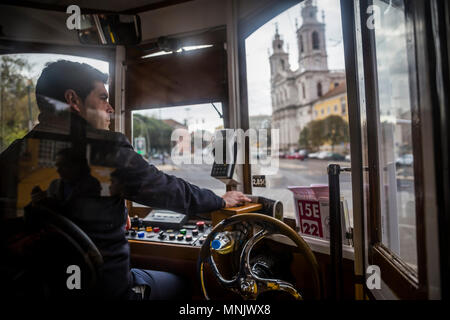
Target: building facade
[(294, 92), (333, 103)]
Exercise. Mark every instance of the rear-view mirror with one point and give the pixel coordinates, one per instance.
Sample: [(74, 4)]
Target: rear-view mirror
[(110, 29)]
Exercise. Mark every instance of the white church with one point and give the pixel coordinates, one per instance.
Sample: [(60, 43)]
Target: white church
[(294, 92)]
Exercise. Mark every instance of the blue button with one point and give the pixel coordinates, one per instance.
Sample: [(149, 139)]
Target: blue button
[(141, 234), (216, 244)]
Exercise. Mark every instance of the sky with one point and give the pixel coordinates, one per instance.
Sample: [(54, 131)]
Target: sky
[(258, 44)]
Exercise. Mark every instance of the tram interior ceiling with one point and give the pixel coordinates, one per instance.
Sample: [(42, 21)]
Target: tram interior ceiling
[(342, 194), (180, 77)]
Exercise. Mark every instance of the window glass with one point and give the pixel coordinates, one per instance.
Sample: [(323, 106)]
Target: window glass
[(18, 108), (154, 129), (395, 134), (306, 77), (315, 39), (343, 106)]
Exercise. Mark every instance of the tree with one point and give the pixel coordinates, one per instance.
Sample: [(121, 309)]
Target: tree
[(18, 108), (317, 133), (311, 137), (156, 132), (336, 130), (305, 138), (332, 130)]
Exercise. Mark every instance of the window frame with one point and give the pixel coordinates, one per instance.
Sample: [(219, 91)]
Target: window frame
[(106, 54), (400, 277), (246, 26)]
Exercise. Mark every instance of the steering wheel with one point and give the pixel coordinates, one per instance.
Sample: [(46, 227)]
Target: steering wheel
[(245, 282), (70, 237)]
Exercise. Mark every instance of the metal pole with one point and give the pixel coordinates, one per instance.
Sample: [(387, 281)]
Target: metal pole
[(335, 232)]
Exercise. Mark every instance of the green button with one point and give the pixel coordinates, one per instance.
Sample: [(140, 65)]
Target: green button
[(183, 231)]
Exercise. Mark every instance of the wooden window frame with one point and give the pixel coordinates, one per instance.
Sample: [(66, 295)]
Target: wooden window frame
[(401, 278), (246, 27), (106, 54)]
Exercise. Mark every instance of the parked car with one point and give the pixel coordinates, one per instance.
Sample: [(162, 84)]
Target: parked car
[(156, 155), (405, 160), (336, 157), (324, 155), (303, 152), (296, 156), (313, 155)]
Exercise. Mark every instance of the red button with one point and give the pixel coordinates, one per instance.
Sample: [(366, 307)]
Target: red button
[(200, 224), (155, 229)]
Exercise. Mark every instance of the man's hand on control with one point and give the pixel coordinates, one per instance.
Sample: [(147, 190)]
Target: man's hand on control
[(234, 199)]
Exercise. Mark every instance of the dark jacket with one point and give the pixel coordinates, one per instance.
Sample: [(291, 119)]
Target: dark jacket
[(103, 218)]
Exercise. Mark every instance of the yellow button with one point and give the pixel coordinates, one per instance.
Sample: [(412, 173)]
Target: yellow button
[(149, 229)]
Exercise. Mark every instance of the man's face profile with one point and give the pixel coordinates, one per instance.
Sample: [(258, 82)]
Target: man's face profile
[(96, 109)]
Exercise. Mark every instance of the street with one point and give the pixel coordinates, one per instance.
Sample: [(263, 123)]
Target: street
[(290, 173), (312, 171)]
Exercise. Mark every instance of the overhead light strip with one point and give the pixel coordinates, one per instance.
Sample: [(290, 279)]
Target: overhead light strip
[(188, 48)]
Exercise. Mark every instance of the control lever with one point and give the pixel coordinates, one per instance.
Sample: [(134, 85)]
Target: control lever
[(273, 208)]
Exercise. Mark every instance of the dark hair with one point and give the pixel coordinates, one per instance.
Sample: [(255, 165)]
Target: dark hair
[(59, 76)]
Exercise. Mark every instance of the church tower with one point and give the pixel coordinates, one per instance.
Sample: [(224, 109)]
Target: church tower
[(311, 40), (279, 60)]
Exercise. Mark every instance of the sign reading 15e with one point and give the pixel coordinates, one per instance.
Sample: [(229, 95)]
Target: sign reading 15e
[(310, 218)]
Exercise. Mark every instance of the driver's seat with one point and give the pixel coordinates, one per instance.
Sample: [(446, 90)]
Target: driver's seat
[(51, 258)]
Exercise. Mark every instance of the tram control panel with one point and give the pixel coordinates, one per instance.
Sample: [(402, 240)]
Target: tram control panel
[(166, 226)]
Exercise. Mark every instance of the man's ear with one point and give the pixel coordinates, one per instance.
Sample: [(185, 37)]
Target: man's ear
[(73, 100)]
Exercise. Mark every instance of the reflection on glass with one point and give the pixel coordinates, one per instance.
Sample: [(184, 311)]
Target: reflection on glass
[(395, 139), (18, 75), (152, 133)]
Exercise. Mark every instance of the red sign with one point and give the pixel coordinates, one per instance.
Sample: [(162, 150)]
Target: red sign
[(310, 218)]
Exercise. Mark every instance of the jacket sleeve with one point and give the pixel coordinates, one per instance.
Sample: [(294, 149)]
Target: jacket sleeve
[(145, 184)]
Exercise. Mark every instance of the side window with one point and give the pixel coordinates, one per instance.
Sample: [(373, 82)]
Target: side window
[(392, 143), (298, 122), (395, 145), (19, 74), (177, 141)]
